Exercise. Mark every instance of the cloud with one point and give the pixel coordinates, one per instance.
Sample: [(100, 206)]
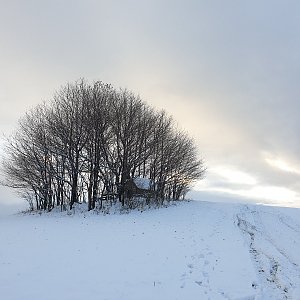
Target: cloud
[(227, 71), (282, 165), (234, 176)]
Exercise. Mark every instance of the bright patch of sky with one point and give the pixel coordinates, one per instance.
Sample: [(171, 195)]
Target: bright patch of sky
[(227, 71)]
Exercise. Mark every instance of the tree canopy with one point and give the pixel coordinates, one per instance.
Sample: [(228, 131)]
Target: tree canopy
[(91, 142)]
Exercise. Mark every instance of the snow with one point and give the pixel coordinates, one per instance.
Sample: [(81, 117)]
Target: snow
[(195, 250), (142, 183), (274, 240)]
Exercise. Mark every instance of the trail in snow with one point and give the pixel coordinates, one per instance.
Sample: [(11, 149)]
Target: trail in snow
[(274, 240), (196, 250)]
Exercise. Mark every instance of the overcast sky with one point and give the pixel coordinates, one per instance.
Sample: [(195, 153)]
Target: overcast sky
[(228, 71)]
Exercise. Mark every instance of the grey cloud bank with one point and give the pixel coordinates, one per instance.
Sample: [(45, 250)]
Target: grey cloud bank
[(227, 71)]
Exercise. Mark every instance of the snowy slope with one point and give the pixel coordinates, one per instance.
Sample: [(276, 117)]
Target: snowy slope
[(196, 250), (274, 240)]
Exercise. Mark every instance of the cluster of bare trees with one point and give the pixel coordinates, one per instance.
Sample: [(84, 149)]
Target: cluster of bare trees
[(90, 142)]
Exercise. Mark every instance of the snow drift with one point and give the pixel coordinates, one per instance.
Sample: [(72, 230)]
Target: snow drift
[(195, 250)]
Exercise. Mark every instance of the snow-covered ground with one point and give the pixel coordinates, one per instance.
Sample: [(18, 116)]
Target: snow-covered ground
[(195, 250)]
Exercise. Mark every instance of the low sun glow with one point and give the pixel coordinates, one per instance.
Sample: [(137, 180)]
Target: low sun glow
[(250, 188), (234, 176), (282, 165)]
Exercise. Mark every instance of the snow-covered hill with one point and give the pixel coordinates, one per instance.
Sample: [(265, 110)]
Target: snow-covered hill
[(195, 250)]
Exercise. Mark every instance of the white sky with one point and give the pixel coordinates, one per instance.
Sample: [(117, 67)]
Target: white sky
[(228, 71)]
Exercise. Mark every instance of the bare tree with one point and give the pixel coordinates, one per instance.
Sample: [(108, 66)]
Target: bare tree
[(92, 141)]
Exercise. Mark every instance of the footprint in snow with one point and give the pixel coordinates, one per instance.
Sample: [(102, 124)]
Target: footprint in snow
[(190, 266)]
